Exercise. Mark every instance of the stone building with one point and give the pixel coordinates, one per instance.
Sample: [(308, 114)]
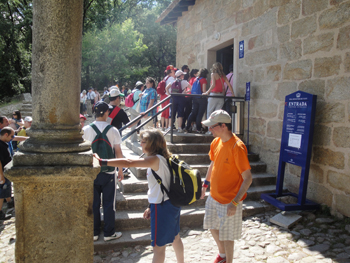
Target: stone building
[(289, 45)]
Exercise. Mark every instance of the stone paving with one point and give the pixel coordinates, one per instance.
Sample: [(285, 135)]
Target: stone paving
[(317, 238), (321, 239)]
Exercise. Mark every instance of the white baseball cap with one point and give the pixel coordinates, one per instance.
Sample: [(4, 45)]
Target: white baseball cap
[(28, 119), (218, 116), (115, 92), (179, 73)]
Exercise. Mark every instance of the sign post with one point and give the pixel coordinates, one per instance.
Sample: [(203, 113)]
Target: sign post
[(247, 98), (296, 147)]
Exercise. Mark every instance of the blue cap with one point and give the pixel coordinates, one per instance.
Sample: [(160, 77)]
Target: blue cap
[(101, 107)]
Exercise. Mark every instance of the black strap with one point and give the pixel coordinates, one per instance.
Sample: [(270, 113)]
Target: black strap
[(227, 88), (159, 181)]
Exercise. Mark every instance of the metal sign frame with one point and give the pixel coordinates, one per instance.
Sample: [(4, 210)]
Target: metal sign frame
[(296, 148)]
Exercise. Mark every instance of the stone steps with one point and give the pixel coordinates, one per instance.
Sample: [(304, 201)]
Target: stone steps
[(136, 230), (132, 201), (135, 185), (26, 109), (256, 167)]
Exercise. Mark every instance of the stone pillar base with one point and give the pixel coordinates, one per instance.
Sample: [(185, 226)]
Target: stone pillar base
[(54, 218)]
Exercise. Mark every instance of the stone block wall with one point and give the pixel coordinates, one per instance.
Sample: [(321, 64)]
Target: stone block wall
[(290, 45)]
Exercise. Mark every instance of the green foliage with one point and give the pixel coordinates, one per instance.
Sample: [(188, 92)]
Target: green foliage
[(160, 40), (112, 55), (15, 47), (122, 42)]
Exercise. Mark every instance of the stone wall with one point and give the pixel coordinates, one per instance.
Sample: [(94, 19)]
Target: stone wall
[(290, 45)]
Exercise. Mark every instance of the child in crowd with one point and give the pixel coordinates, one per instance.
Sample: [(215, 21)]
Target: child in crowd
[(165, 217)]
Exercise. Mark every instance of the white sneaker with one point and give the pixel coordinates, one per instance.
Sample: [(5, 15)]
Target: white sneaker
[(194, 127), (95, 238), (208, 132), (116, 235), (180, 130)]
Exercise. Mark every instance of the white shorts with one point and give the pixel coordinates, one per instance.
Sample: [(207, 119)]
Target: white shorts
[(230, 227)]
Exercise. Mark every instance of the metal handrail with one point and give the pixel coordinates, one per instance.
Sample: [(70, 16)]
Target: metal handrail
[(238, 99), (138, 118)]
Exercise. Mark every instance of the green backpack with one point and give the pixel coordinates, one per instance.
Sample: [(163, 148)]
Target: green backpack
[(102, 147)]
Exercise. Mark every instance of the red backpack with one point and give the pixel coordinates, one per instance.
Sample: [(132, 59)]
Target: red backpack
[(129, 100), (161, 86)]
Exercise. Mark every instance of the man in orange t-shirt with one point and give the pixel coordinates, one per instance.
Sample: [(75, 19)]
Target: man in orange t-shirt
[(230, 177)]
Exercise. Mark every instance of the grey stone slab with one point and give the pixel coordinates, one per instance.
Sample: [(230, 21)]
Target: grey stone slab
[(285, 220)]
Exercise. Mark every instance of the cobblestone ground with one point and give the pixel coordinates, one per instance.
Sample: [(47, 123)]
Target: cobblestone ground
[(317, 238)]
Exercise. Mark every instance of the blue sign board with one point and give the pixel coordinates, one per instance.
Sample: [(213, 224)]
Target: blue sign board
[(241, 49), (247, 91), (296, 147)]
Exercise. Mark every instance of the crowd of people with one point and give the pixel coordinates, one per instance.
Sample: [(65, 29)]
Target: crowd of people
[(228, 173), (188, 111), (12, 131)]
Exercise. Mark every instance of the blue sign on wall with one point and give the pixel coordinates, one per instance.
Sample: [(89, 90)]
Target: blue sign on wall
[(296, 147), (241, 49), (247, 91)]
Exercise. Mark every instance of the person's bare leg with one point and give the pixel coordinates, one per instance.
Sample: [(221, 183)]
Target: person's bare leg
[(158, 254), (220, 244), (1, 203), (166, 122), (179, 249), (179, 122), (229, 247)]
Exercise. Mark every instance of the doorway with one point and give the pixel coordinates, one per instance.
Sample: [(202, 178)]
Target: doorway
[(225, 57)]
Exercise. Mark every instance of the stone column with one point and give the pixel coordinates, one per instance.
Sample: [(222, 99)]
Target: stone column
[(54, 172)]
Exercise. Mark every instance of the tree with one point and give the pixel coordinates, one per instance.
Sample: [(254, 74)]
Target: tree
[(160, 40), (112, 55), (15, 47)]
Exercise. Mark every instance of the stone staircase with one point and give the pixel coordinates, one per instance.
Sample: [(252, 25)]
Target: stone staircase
[(132, 199), (26, 109)]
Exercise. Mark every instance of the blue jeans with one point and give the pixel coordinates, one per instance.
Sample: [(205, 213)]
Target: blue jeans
[(199, 105), (187, 112), (179, 105), (104, 184)]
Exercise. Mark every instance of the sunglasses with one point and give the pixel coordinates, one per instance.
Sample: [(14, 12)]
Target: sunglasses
[(212, 127)]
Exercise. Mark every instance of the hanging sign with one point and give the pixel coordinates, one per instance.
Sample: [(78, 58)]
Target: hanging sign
[(247, 91), (241, 49)]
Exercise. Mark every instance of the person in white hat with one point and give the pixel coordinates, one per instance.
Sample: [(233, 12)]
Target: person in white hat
[(27, 124), (117, 117), (230, 176)]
